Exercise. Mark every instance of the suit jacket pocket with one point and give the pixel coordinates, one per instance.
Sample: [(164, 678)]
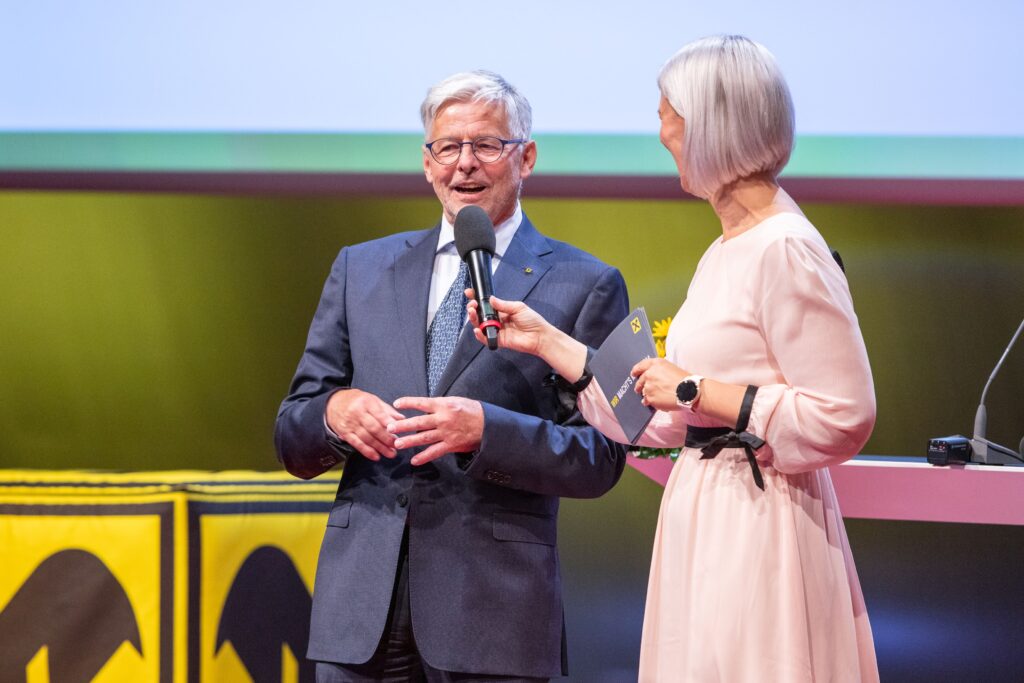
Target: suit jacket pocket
[(340, 513), (525, 527)]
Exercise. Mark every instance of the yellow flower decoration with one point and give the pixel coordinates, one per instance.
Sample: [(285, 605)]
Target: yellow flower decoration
[(660, 328)]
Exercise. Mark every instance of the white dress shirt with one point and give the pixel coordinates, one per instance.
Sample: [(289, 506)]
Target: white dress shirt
[(446, 258)]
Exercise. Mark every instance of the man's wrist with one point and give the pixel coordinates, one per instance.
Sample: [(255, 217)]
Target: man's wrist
[(332, 437)]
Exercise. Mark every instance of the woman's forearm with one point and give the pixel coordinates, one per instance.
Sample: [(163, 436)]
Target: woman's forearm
[(720, 401), (565, 355)]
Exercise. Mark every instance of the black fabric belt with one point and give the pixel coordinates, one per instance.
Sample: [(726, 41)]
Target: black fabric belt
[(711, 440)]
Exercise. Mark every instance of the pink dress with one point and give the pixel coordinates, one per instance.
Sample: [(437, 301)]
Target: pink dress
[(749, 585)]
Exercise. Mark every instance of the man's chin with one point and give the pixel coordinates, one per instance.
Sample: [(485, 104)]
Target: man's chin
[(460, 202), (467, 198)]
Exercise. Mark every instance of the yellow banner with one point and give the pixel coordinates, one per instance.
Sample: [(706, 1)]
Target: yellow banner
[(166, 577)]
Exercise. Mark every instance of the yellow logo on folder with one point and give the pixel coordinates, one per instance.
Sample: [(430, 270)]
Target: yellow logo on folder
[(634, 325)]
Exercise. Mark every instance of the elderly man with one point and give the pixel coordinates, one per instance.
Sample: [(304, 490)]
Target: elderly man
[(439, 560)]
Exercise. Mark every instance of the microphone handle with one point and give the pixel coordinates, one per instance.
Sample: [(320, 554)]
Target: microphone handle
[(479, 263), (491, 331)]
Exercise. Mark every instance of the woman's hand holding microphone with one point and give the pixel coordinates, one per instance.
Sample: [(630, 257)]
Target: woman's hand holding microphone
[(526, 331)]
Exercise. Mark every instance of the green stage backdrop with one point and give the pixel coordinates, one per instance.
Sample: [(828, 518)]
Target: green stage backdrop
[(161, 331)]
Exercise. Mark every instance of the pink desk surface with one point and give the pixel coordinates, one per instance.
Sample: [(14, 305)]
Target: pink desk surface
[(915, 491)]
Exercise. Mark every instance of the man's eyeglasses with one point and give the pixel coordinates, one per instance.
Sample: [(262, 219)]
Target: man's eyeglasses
[(487, 149)]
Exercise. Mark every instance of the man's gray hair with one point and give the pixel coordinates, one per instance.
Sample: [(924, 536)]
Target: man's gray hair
[(480, 86), (737, 107)]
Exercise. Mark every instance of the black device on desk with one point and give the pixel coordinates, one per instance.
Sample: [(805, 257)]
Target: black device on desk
[(949, 450)]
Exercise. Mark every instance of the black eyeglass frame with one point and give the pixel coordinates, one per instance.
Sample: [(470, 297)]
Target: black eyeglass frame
[(472, 143)]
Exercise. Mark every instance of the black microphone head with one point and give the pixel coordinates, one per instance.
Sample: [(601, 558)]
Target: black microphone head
[(473, 230)]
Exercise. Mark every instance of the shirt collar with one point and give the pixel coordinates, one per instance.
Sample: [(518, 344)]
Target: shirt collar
[(503, 232)]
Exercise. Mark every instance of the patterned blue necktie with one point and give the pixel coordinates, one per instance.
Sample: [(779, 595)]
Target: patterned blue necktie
[(444, 329)]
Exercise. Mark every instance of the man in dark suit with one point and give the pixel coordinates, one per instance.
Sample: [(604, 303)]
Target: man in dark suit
[(439, 561)]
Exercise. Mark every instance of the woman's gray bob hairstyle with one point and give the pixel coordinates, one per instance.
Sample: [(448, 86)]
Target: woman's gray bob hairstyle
[(480, 86), (738, 111)]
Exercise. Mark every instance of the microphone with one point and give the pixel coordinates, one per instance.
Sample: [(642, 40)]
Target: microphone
[(985, 451), (959, 450), (474, 240)]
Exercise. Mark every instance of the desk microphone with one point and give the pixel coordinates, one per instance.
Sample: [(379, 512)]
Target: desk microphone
[(474, 240), (984, 451), (959, 450)]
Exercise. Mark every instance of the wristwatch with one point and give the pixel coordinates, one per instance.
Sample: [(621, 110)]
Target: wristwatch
[(688, 391)]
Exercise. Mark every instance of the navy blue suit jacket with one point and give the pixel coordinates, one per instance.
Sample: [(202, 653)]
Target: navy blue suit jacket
[(484, 578)]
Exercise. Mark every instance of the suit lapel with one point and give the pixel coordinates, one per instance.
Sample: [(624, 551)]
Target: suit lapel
[(523, 265), (413, 269), (520, 269)]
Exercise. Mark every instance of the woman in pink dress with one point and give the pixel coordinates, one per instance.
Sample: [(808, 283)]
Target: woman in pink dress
[(765, 384)]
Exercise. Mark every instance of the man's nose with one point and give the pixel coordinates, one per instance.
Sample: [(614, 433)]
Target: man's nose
[(467, 159)]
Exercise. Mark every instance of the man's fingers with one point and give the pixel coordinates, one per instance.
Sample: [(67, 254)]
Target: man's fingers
[(421, 403), (430, 454), (383, 411), (358, 444), (382, 443), (384, 446), (424, 438), (376, 426), (412, 424), (371, 429), (360, 419), (384, 415)]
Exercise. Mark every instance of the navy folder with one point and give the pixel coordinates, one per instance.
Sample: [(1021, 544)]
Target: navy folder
[(629, 343)]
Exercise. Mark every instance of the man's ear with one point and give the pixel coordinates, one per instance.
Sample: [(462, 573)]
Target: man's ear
[(529, 159), (426, 166)]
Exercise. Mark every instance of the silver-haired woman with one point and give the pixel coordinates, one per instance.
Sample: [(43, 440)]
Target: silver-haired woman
[(766, 383)]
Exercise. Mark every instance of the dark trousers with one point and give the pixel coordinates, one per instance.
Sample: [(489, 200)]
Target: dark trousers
[(397, 659)]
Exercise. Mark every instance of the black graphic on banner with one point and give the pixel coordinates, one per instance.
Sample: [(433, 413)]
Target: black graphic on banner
[(268, 606), (75, 606)]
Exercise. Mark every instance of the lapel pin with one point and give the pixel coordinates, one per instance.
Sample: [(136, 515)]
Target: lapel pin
[(527, 270)]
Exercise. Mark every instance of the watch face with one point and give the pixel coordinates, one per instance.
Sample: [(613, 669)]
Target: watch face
[(686, 391)]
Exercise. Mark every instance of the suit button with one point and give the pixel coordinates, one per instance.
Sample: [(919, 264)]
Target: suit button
[(497, 477), (403, 500)]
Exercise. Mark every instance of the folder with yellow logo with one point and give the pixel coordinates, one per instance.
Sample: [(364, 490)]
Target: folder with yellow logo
[(629, 343)]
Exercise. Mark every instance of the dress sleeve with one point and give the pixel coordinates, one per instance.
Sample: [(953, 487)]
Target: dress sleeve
[(824, 411), (666, 429)]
